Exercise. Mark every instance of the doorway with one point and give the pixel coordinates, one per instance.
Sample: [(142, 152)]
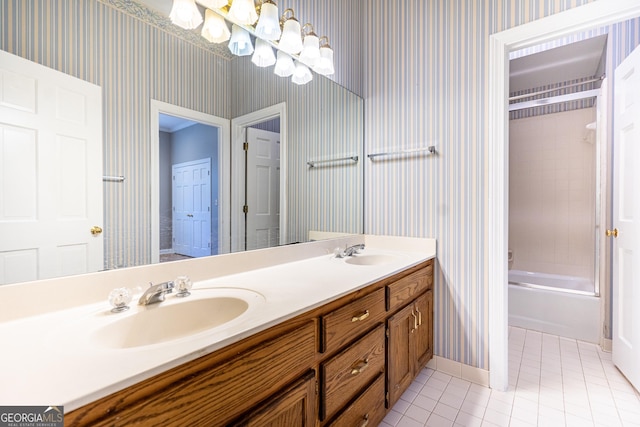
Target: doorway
[(268, 228), (195, 137), (592, 15)]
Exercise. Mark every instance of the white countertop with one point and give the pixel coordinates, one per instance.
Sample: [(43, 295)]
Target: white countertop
[(50, 358)]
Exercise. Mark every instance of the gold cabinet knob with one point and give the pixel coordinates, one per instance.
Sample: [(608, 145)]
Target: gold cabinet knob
[(613, 233), (95, 230)]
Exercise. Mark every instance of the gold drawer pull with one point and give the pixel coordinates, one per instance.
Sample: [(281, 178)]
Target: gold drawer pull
[(419, 317), (360, 367), (361, 317), (365, 420)]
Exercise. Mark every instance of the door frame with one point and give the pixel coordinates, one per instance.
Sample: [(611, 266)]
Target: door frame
[(224, 131), (579, 19), (238, 125)]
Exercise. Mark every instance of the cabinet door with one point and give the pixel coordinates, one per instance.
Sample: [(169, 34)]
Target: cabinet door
[(423, 336), (293, 406), (401, 327)]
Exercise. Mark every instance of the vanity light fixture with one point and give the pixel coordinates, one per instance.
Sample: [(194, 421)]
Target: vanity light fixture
[(324, 65), (215, 27), (301, 75), (243, 12), (291, 40), (268, 27), (311, 46), (284, 65), (185, 14), (263, 55), (240, 42)]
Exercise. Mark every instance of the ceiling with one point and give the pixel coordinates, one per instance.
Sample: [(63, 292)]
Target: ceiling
[(161, 6), (569, 62)]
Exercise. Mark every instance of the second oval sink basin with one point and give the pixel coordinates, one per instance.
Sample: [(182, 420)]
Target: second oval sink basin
[(373, 259), (173, 319)]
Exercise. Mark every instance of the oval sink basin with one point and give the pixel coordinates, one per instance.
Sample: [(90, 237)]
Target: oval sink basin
[(373, 259), (172, 319)]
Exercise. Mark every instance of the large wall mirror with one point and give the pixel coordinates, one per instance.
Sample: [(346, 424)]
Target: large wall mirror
[(135, 59)]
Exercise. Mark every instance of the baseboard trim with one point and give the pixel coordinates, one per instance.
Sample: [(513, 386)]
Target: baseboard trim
[(607, 345), (167, 251), (460, 370)]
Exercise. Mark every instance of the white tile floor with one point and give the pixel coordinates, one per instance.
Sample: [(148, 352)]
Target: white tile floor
[(553, 381)]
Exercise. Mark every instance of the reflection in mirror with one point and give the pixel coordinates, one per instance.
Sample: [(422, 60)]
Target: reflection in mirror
[(188, 182), (135, 56)]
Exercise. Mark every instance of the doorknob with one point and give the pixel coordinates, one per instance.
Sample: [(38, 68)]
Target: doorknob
[(95, 230), (190, 215), (613, 233)]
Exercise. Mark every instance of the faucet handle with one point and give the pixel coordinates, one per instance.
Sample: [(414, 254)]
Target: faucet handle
[(183, 285), (119, 298)]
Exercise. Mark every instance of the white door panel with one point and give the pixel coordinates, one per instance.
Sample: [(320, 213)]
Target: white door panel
[(626, 253), (192, 208), (263, 189), (51, 177)]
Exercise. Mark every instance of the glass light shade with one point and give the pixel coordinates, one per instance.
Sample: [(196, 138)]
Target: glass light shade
[(240, 42), (310, 50), (263, 55), (219, 3), (215, 28), (268, 27), (301, 75), (243, 12), (324, 65), (185, 14), (291, 40), (284, 65)]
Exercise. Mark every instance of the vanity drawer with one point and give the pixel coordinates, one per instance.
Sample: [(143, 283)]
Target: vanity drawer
[(346, 323), (345, 375), (367, 410), (405, 290)]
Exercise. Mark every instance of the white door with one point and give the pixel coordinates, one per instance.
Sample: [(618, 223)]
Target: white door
[(50, 172), (263, 189), (626, 213), (191, 196)]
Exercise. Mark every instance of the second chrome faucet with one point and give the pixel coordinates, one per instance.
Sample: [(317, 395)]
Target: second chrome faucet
[(156, 293)]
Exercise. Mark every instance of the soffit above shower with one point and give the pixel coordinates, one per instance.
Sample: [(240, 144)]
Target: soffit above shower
[(572, 61)]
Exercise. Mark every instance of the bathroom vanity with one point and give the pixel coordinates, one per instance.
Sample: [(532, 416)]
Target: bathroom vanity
[(330, 342)]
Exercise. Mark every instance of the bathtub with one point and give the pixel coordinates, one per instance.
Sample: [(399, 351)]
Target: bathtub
[(559, 305)]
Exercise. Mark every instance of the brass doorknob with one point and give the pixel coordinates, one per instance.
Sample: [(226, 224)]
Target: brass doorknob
[(95, 230), (613, 233)]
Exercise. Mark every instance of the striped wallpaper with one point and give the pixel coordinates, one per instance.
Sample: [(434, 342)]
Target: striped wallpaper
[(325, 121), (421, 66), (425, 82)]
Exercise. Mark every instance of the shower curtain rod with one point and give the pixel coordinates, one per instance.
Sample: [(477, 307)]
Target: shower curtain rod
[(529, 95)]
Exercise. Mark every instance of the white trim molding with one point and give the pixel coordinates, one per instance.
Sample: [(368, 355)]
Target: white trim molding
[(579, 19)]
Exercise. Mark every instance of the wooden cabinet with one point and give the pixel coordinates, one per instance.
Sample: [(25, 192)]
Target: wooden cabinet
[(332, 365), (341, 326), (294, 406), (409, 345), (367, 410), (211, 390), (347, 374)]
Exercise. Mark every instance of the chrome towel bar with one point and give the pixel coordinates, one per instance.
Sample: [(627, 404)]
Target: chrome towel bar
[(313, 163), (429, 150)]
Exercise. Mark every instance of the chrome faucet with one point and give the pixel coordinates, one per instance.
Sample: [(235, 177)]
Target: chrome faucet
[(350, 251), (156, 293)]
